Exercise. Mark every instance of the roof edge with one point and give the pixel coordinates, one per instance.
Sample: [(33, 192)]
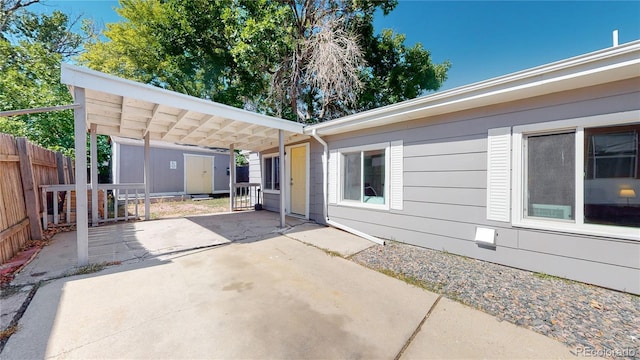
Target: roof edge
[(499, 85), (78, 76)]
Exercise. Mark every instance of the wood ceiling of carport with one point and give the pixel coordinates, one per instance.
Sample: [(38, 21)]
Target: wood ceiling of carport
[(127, 117), (125, 108)]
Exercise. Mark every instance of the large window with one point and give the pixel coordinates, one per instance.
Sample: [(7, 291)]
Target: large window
[(364, 176), (368, 176), (578, 175), (611, 177), (271, 173)]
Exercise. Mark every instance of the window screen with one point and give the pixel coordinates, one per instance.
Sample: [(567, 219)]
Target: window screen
[(550, 176), (352, 176), (272, 173), (374, 176)]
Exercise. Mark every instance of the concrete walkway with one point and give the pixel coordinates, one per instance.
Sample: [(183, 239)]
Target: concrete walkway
[(262, 295)]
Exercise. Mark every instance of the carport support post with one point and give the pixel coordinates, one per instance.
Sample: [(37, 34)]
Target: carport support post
[(282, 179), (80, 129), (94, 174), (147, 177), (232, 176)]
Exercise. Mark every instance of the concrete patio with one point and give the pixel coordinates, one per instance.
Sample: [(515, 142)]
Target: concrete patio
[(237, 286)]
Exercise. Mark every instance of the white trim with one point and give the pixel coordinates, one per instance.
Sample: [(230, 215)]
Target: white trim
[(288, 176), (82, 220), (115, 162), (578, 212), (263, 157), (576, 125), (355, 232), (340, 179)]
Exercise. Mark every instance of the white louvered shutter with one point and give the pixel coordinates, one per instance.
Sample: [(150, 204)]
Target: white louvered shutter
[(499, 174), (397, 174), (333, 177)]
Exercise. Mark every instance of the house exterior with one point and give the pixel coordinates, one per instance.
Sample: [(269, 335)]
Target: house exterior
[(538, 170), (176, 169)]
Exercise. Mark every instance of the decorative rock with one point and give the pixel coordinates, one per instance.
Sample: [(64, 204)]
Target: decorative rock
[(576, 314)]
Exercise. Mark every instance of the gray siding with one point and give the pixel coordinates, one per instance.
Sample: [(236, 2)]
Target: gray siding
[(255, 173), (163, 178), (220, 177), (316, 197), (445, 164)]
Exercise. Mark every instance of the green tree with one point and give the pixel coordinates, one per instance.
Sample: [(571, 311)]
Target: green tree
[(305, 60), (30, 68), (8, 8)]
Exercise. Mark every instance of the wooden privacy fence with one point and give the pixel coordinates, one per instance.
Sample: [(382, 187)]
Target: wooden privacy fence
[(24, 167)]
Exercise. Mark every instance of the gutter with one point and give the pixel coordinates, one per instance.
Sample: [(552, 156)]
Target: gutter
[(325, 195)]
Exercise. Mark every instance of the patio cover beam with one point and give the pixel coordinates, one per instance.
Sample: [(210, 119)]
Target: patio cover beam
[(282, 179), (80, 129), (147, 177), (93, 152), (232, 176)]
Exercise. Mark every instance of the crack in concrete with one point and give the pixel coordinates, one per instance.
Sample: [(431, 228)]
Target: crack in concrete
[(18, 315), (418, 328)]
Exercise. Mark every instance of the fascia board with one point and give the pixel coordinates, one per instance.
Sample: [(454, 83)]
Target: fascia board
[(613, 64), (86, 78)]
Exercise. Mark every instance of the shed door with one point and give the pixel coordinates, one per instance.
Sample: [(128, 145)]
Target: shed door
[(198, 174)]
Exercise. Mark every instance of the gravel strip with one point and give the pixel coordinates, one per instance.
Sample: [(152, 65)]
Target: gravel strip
[(582, 316)]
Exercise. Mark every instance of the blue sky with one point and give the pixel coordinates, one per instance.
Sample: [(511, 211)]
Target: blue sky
[(482, 39)]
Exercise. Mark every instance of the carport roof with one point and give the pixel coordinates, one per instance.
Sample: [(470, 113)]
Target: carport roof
[(130, 109)]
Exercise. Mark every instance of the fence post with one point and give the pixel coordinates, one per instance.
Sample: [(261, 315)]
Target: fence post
[(60, 166), (26, 173), (70, 171)]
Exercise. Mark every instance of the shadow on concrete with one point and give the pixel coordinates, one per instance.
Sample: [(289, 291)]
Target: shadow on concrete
[(136, 246), (133, 246), (129, 242), (247, 226)]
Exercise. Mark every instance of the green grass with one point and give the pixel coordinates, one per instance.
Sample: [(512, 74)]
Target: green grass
[(332, 253), (6, 333), (93, 268), (547, 276), (433, 287)]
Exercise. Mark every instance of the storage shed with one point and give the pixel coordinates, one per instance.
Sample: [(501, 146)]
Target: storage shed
[(176, 169)]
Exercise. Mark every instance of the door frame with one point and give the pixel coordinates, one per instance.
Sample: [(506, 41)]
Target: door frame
[(213, 161), (287, 183)]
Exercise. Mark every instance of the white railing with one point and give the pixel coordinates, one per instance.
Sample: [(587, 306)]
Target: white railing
[(64, 204), (133, 192), (247, 195)]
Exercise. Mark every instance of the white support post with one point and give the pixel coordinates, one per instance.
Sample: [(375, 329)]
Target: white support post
[(282, 179), (147, 177), (93, 151), (80, 132), (232, 176)]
